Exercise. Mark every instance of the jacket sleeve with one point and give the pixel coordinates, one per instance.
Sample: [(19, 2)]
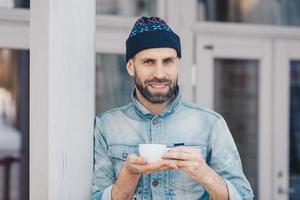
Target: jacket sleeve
[(225, 160), (103, 173)]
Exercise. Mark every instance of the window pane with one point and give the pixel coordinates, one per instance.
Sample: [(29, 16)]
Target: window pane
[(113, 84), (126, 7), (15, 3), (236, 98), (295, 130), (283, 12), (14, 124)]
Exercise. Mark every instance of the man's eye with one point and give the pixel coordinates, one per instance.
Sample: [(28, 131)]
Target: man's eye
[(168, 61), (148, 61)]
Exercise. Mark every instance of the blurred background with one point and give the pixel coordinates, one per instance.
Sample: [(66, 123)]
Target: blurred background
[(241, 58)]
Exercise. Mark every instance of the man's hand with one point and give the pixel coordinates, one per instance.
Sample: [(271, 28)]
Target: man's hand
[(138, 165), (190, 160), (131, 171)]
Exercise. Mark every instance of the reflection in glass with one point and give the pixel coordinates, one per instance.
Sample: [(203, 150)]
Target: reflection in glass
[(283, 12), (295, 130), (126, 7), (236, 98), (113, 84), (15, 3), (14, 124)]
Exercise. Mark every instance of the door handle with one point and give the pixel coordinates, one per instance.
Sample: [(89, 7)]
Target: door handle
[(208, 47), (281, 190)]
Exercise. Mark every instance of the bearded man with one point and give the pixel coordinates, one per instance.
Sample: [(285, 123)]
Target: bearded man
[(203, 161)]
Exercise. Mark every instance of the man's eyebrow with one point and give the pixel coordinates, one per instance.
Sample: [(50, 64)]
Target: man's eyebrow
[(146, 58), (166, 58), (171, 57)]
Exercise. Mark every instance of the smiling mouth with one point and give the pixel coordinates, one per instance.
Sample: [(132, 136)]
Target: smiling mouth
[(158, 86)]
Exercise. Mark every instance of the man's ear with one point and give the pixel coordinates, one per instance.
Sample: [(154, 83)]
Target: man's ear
[(130, 67)]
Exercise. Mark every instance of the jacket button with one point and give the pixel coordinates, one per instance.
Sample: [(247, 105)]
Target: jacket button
[(125, 155), (155, 121), (155, 183)]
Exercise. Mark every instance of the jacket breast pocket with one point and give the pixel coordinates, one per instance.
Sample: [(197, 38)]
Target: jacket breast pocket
[(119, 154), (179, 180)]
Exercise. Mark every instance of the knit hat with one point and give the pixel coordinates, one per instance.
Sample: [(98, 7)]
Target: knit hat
[(151, 32)]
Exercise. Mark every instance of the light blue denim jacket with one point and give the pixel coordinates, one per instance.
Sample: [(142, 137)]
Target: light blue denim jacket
[(118, 133)]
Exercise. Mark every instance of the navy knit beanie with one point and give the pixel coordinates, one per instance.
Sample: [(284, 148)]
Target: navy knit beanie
[(151, 32)]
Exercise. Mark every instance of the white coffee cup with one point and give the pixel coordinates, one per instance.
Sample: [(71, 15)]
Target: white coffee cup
[(152, 152)]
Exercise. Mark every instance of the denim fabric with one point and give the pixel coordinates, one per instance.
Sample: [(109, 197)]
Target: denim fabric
[(118, 133)]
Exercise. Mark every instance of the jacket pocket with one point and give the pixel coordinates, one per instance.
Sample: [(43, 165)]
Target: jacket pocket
[(118, 155), (180, 180)]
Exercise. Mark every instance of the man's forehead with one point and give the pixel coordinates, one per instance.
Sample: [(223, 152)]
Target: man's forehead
[(157, 53)]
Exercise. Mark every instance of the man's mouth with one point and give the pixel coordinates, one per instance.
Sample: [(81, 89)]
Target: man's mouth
[(158, 86)]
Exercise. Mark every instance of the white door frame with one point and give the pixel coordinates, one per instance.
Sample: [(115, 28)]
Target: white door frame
[(14, 28), (112, 31), (210, 47), (284, 51)]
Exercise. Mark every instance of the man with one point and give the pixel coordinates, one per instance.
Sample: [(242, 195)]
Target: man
[(202, 163)]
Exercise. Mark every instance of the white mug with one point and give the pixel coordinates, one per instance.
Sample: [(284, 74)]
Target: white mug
[(152, 152)]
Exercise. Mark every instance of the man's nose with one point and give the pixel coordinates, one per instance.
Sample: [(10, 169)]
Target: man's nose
[(159, 72)]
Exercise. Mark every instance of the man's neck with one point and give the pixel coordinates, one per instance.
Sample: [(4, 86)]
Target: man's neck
[(153, 108)]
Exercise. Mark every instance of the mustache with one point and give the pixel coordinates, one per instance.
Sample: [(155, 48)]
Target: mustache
[(156, 80)]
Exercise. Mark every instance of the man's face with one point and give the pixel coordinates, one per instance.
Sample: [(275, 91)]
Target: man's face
[(155, 73)]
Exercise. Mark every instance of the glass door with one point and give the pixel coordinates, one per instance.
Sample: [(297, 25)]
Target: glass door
[(113, 83), (14, 123), (287, 121), (234, 79)]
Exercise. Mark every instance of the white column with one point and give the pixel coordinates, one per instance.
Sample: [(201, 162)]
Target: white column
[(62, 61)]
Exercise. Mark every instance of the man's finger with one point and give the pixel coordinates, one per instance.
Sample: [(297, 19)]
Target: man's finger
[(180, 164), (183, 149), (155, 166), (159, 165), (166, 167), (134, 159), (178, 156)]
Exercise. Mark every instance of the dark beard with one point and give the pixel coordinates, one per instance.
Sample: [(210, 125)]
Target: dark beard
[(157, 98)]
